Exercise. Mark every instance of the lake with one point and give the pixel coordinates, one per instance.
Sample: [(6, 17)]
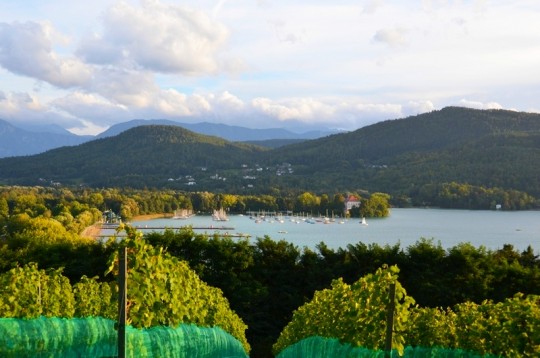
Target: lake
[(491, 229)]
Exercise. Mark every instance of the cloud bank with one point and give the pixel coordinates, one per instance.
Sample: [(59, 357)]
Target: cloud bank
[(265, 64)]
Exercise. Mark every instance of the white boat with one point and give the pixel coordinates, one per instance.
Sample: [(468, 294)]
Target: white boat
[(364, 222), (183, 214), (220, 215)]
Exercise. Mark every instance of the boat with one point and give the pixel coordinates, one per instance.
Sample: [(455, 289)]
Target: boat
[(183, 214), (220, 215), (364, 222)]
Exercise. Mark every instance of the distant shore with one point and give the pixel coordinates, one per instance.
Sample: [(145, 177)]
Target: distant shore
[(152, 216), (95, 230), (92, 231)]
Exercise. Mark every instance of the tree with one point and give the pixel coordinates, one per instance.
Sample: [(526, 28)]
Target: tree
[(4, 209), (376, 206), (307, 202), (129, 209)]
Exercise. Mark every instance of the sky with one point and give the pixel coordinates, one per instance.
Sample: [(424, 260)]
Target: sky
[(301, 65)]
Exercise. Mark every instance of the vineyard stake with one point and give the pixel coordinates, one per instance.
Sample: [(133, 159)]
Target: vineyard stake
[(122, 296), (390, 320)]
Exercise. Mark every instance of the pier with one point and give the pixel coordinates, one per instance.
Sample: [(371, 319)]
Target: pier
[(216, 229), (184, 227)]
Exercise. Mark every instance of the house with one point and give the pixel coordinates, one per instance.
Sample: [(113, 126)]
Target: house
[(351, 202), (109, 217)]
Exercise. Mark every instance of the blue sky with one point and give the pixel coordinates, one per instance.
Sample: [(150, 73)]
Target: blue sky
[(261, 64)]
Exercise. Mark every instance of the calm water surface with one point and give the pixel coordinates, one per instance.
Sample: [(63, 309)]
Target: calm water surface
[(491, 229)]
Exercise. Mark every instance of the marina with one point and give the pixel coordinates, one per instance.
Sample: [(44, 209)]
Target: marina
[(491, 229)]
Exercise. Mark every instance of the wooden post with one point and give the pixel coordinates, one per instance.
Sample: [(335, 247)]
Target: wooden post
[(390, 320), (122, 297)]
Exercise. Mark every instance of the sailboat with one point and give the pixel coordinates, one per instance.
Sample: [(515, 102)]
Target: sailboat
[(363, 221), (220, 215), (183, 214)]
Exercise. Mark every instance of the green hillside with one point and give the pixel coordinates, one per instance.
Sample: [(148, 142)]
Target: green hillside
[(487, 148), (142, 156)]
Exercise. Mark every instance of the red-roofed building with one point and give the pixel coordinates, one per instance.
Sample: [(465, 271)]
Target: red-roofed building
[(351, 202)]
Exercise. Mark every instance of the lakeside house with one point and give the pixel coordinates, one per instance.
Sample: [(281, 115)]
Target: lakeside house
[(351, 202)]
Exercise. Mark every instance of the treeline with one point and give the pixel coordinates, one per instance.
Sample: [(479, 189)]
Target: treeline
[(465, 196), (79, 208)]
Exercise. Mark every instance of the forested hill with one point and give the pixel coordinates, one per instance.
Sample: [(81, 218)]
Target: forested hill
[(448, 129), (487, 148), (141, 156), (480, 147)]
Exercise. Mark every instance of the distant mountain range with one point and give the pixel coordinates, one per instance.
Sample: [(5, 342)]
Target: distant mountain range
[(35, 139), (15, 141), (488, 148), (230, 133)]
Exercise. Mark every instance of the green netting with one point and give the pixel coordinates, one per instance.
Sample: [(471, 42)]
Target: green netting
[(319, 347), (96, 337)]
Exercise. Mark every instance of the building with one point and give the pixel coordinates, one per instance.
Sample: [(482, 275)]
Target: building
[(351, 202)]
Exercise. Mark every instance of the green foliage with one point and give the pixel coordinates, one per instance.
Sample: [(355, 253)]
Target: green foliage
[(27, 292), (375, 206), (510, 328), (265, 280), (431, 327), (163, 290), (464, 196), (354, 314), (307, 201), (4, 209), (94, 298)]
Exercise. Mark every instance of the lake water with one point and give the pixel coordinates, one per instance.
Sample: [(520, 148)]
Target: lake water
[(491, 229)]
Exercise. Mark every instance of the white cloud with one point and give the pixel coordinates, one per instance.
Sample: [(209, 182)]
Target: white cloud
[(13, 104), (392, 37), (158, 37), (371, 6), (418, 107), (92, 107), (284, 63), (303, 109), (479, 105), (87, 128), (228, 100), (350, 114), (27, 49), (124, 86), (22, 107)]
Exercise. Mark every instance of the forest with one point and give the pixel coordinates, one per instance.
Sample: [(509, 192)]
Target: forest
[(263, 280)]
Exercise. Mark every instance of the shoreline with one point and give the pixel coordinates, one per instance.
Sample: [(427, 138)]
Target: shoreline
[(151, 216), (94, 231)]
